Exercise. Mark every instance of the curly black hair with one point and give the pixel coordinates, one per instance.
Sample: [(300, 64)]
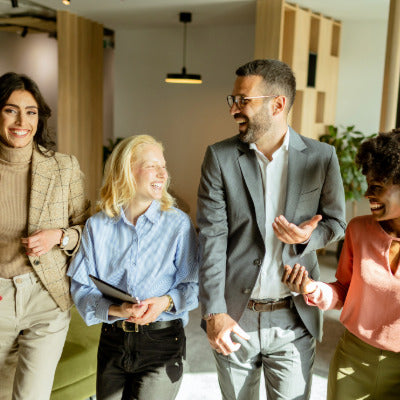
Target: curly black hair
[(380, 157), (10, 82)]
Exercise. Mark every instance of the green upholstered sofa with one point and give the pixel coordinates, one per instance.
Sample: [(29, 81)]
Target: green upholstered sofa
[(75, 377)]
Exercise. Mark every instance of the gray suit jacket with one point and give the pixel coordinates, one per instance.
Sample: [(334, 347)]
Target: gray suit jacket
[(231, 218)]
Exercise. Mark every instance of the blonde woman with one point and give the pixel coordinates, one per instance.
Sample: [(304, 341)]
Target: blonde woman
[(141, 244)]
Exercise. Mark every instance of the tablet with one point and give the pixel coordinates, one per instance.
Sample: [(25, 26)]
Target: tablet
[(112, 292)]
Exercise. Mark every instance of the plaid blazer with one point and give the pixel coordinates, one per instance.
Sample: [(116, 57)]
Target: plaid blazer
[(57, 200)]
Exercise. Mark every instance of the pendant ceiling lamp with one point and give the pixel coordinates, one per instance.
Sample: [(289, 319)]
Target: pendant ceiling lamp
[(184, 77)]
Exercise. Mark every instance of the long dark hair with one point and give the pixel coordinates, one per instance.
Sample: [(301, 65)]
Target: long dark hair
[(10, 82)]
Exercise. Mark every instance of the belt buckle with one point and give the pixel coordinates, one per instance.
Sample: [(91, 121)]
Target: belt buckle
[(253, 306), (126, 329)]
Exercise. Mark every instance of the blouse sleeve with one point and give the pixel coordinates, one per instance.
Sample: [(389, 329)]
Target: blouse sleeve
[(89, 301), (185, 289), (333, 295)]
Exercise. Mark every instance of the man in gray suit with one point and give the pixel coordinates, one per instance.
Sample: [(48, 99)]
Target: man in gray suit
[(267, 197)]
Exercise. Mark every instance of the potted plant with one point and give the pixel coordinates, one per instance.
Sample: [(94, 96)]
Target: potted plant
[(346, 141)]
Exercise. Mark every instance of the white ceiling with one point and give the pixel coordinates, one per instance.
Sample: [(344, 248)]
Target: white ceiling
[(128, 14)]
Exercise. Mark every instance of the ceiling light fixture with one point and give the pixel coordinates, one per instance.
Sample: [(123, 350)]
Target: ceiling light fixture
[(66, 2), (14, 3), (183, 77)]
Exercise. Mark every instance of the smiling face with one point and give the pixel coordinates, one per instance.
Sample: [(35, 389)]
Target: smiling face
[(384, 200), (150, 174), (19, 119), (255, 117)]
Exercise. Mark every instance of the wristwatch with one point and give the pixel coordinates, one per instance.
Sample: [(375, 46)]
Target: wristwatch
[(170, 304), (64, 239)]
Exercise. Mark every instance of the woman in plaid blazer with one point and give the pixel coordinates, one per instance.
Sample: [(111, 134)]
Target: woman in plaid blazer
[(42, 212)]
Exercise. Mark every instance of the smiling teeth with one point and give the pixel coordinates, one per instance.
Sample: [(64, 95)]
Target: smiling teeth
[(376, 206), (20, 133), (157, 185)]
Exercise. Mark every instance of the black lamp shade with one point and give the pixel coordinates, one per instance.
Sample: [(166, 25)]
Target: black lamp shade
[(183, 77)]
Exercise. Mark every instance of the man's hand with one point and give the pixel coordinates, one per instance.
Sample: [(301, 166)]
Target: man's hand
[(290, 233), (297, 280), (41, 241), (219, 329), (154, 306)]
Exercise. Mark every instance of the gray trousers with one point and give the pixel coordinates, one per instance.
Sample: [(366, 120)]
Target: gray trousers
[(281, 346)]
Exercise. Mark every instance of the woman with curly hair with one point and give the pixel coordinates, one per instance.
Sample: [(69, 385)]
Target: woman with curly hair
[(143, 245), (366, 364)]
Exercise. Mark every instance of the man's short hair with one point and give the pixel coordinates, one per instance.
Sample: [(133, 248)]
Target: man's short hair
[(278, 77)]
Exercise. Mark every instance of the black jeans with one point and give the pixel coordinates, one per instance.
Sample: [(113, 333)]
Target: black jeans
[(145, 365)]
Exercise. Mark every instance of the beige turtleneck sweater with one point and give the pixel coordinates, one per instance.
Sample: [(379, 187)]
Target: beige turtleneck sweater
[(15, 183)]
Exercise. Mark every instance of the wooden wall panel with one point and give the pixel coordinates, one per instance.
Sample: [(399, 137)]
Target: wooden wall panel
[(304, 36), (269, 29), (390, 106), (80, 95)]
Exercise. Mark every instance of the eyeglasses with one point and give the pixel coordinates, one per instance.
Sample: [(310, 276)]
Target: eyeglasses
[(241, 101)]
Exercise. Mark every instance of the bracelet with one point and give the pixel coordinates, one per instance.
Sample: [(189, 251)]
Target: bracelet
[(208, 316), (170, 305)]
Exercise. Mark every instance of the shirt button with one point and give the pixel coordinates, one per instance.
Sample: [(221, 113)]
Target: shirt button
[(18, 280), (246, 291), (36, 262), (257, 262)]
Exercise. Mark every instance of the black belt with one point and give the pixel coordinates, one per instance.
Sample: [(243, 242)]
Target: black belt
[(260, 306), (152, 326)]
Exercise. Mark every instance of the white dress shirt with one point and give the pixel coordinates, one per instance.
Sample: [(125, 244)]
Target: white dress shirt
[(274, 177)]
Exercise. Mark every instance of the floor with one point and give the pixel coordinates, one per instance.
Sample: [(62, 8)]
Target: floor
[(200, 380)]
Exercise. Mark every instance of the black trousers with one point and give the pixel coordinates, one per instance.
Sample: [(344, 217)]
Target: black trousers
[(144, 365)]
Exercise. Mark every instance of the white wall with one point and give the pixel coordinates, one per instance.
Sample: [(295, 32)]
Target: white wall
[(34, 55), (361, 68), (186, 118), (362, 62)]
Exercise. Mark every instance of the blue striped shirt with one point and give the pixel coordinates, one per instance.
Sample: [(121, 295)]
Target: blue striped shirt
[(156, 257)]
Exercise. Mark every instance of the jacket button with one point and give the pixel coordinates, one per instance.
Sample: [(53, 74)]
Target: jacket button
[(36, 262), (257, 262), (246, 291)]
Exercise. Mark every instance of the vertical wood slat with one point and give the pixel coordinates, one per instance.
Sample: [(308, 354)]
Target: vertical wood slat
[(389, 106), (80, 95), (296, 36), (269, 28)]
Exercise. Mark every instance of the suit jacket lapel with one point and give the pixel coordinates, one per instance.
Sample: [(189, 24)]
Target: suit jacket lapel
[(41, 186), (296, 164), (252, 176)]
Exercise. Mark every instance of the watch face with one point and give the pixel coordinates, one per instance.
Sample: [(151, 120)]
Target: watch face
[(65, 241)]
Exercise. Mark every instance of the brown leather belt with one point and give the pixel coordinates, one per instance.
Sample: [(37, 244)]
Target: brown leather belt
[(260, 306), (131, 327)]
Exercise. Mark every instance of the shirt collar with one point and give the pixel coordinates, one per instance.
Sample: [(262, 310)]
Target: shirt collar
[(153, 213), (284, 146)]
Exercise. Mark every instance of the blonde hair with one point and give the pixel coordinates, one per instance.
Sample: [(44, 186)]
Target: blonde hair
[(118, 188)]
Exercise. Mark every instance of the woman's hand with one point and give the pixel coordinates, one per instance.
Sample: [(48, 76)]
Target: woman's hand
[(41, 241), (127, 310), (297, 280), (154, 307)]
